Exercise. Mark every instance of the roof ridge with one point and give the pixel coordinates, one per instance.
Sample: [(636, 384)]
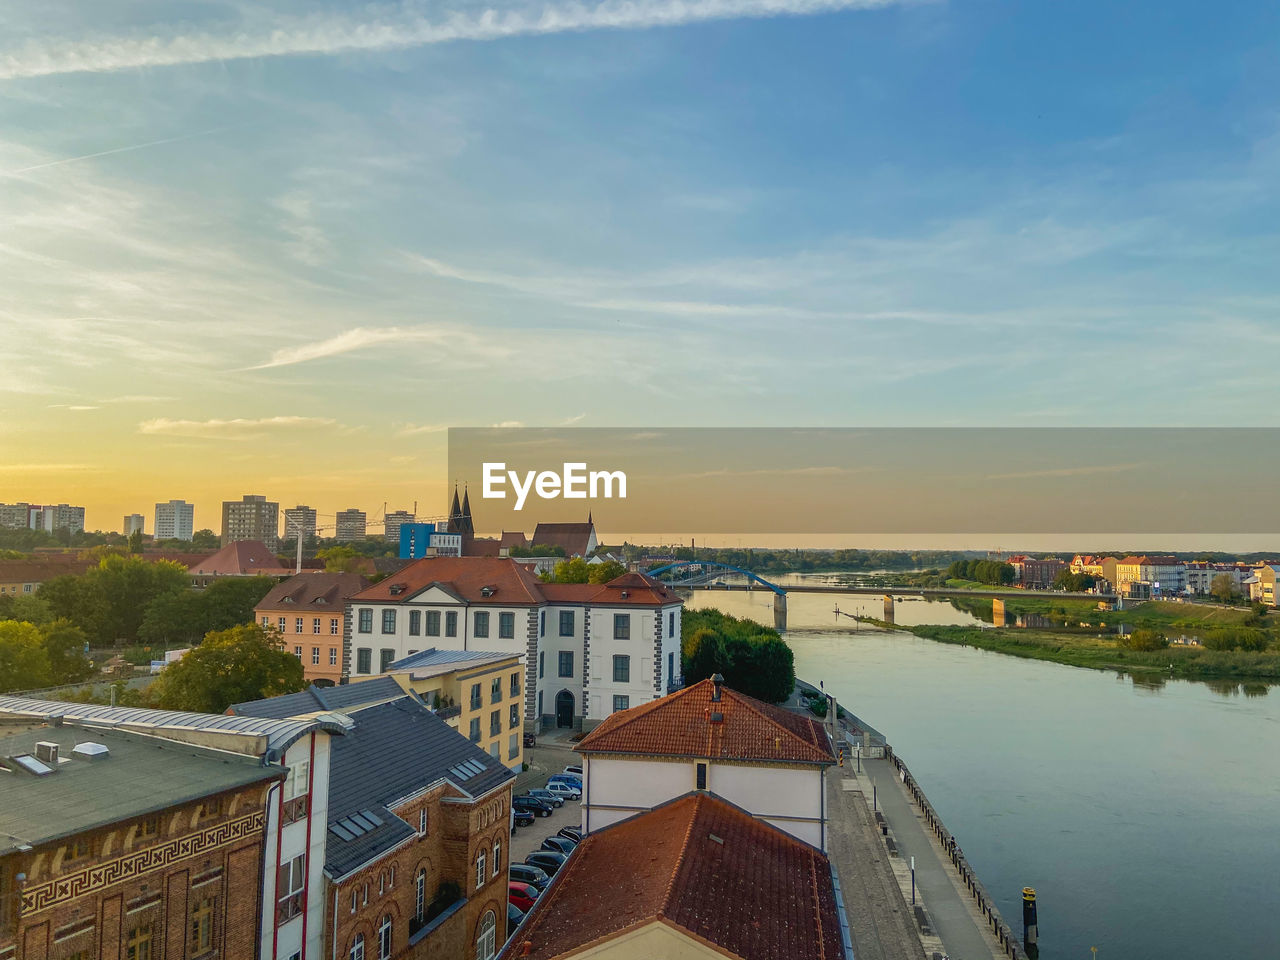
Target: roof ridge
[(681, 851)]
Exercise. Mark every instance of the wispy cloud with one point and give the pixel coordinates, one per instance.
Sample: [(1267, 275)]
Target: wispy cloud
[(107, 153), (1067, 471), (237, 429), (136, 398), (344, 34), (42, 467), (417, 430), (357, 338)]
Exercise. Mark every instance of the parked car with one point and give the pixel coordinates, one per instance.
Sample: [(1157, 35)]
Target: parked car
[(560, 790), (573, 833), (573, 770), (565, 778), (548, 860), (521, 894), (561, 844), (522, 818), (535, 877), (514, 916), (532, 805), (546, 796)]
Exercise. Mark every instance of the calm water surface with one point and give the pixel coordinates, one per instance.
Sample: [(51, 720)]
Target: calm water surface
[(1147, 819)]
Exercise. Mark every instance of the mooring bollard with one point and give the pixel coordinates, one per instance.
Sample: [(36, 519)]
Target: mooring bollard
[(1030, 927)]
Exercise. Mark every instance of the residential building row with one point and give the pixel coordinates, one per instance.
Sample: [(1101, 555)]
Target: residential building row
[(48, 517)]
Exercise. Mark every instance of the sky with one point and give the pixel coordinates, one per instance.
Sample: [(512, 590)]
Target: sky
[(279, 248)]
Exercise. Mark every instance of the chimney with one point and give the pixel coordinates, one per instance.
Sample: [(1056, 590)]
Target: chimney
[(717, 681)]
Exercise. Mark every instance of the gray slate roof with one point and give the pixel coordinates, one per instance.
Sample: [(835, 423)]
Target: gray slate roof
[(434, 657), (317, 699), (138, 776), (279, 733)]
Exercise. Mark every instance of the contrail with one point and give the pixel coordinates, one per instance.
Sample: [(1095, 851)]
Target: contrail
[(107, 153), (338, 34)]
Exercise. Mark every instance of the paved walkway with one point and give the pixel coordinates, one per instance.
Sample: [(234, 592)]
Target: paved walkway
[(951, 913)]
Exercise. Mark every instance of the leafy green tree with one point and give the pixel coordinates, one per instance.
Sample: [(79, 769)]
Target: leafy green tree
[(176, 618), (81, 600), (205, 539), (1223, 587), (229, 601), (1074, 582), (576, 570), (109, 601), (29, 607), (604, 572), (229, 666), (64, 644), (24, 663), (341, 559), (1144, 639), (135, 542), (753, 659), (706, 658)]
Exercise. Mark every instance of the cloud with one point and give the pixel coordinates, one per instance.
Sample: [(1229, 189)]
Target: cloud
[(344, 34), (136, 398), (72, 406), (107, 153), (237, 429), (569, 421), (355, 339), (1067, 471), (416, 430), (43, 467)]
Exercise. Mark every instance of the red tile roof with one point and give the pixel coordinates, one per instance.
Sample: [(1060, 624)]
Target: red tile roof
[(40, 570), (681, 725), (317, 591), (629, 589), (573, 537), (240, 559), (701, 866)]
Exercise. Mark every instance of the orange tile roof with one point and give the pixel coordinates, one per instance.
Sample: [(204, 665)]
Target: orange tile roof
[(313, 590), (702, 866), (240, 559), (680, 725), (511, 583)]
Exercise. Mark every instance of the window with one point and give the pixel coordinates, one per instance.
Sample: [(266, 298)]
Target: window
[(451, 623), (415, 622), (513, 746), (211, 808), (480, 874), (297, 625), (384, 939), (495, 690), (385, 659), (138, 944), (622, 626), (487, 936), (266, 622), (475, 696), (702, 776), (333, 656), (621, 703), (506, 626), (420, 894), (315, 656), (422, 822), (366, 620), (539, 703), (382, 884), (566, 663), (200, 939), (515, 715), (542, 623), (542, 662), (495, 750), (148, 828), (475, 729), (364, 660), (357, 947), (433, 623), (566, 623), (297, 651), (333, 626), (621, 669), (481, 624), (671, 668), (282, 623), (290, 879), (315, 624), (388, 621), (355, 899), (515, 684), (495, 723), (497, 856), (671, 624)]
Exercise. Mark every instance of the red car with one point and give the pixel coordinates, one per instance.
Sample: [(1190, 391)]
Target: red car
[(521, 894)]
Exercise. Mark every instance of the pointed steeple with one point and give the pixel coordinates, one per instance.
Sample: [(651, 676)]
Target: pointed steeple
[(455, 513), (467, 527), (589, 523)]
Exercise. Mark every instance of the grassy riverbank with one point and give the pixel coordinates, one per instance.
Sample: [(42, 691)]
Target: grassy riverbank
[(1189, 663)]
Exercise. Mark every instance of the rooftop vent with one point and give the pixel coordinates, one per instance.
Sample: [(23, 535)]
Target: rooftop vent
[(90, 751), (717, 718), (32, 765), (714, 839), (47, 752)]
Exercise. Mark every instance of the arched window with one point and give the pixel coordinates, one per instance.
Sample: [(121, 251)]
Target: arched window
[(420, 894), (480, 877), (487, 937), (357, 947), (384, 939), (497, 856)]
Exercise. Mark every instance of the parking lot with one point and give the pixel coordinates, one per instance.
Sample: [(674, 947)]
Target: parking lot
[(544, 760)]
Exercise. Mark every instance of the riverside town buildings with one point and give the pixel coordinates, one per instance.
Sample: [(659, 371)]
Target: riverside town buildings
[(587, 650)]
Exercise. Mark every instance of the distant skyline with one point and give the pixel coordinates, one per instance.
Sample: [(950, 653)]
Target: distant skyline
[(280, 247)]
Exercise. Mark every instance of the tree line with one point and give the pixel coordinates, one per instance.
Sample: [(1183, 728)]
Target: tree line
[(752, 658), (994, 572)]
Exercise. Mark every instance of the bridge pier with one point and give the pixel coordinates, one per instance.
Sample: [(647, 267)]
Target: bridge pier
[(997, 611), (780, 612), (888, 608)]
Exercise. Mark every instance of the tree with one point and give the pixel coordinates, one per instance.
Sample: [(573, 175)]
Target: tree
[(1144, 639), (229, 601), (1223, 587), (706, 658), (135, 542), (341, 559), (230, 666), (604, 572), (753, 659), (177, 618), (109, 601), (1074, 582), (205, 540), (64, 644), (24, 663), (576, 570), (29, 607)]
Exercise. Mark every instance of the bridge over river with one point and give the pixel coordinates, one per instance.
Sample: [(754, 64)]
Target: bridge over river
[(708, 575)]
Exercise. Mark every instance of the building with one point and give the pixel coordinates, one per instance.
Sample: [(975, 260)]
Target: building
[(418, 540), (115, 844), (26, 575), (415, 844), (133, 522), (587, 649), (1150, 576), (391, 523), (1200, 576), (575, 539), (16, 516), (300, 519), (765, 759), (1039, 574), (308, 610), (350, 525), (479, 694), (175, 520), (242, 558), (460, 516), (50, 518), (288, 871), (1262, 585), (251, 518), (696, 877)]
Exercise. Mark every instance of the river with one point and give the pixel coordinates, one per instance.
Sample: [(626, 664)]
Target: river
[(1147, 818)]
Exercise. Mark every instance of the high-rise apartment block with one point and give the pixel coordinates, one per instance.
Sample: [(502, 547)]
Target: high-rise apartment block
[(350, 526), (175, 520), (134, 522), (391, 524), (300, 521), (251, 518)]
